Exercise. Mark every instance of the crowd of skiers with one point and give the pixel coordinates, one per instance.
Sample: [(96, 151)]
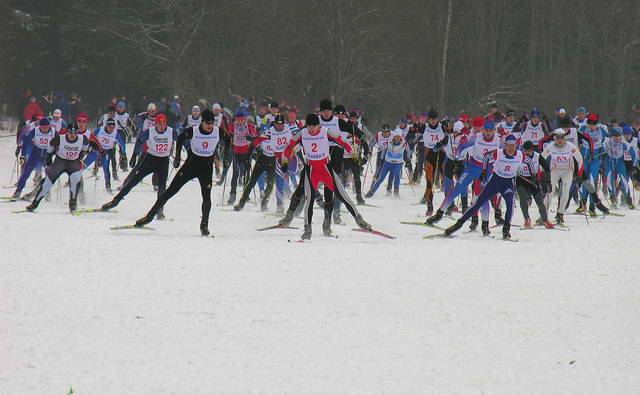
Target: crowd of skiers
[(478, 162)]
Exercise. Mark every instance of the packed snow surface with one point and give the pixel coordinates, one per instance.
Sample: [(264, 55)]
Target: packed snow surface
[(103, 312)]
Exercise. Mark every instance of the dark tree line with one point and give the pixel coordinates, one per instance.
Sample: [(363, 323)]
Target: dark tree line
[(385, 57)]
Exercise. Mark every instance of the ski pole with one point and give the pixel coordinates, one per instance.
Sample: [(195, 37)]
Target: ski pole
[(14, 169), (412, 188)]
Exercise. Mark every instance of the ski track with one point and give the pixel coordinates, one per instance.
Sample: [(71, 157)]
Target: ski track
[(246, 312)]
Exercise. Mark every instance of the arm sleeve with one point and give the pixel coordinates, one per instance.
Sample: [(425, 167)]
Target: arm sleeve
[(545, 165), (142, 138), (53, 144)]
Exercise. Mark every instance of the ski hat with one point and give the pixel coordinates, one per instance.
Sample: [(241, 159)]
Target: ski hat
[(528, 145), (615, 132), (216, 106), (110, 122), (353, 114), (82, 117), (511, 113), (120, 104), (386, 128), (313, 120), (72, 127), (558, 132), (458, 126), (161, 118), (565, 122), (339, 109), (489, 125), (151, 107), (464, 118), (279, 119), (478, 122), (535, 113), (510, 139), (195, 109), (593, 118), (240, 114), (274, 105), (626, 129), (432, 114), (402, 120), (581, 109), (208, 116), (44, 122), (396, 133), (57, 113), (325, 104), (562, 111)]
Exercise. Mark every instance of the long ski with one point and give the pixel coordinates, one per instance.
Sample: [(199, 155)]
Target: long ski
[(421, 223), (374, 232), (131, 227), (439, 236), (277, 226), (367, 205), (92, 210)]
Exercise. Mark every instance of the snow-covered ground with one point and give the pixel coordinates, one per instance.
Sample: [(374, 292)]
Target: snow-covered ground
[(168, 311)]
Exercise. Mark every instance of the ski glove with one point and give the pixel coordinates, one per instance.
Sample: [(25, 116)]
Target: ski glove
[(17, 151), (49, 159)]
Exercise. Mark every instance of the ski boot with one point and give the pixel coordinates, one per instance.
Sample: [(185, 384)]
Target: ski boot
[(280, 209), (264, 206), (73, 205), (388, 193), (559, 219), (232, 198), (453, 228), (359, 199), (109, 205), (362, 223), (368, 195), (240, 205), (474, 223), (600, 206), (583, 207), (498, 217), (204, 227), (485, 228), (306, 235), (160, 216), (144, 220), (527, 223), (435, 218), (336, 218), (629, 201), (547, 224), (286, 220), (34, 205), (423, 200), (396, 194), (506, 227), (614, 201), (326, 226), (14, 197)]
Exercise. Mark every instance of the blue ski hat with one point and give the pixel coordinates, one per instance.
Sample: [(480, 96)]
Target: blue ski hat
[(535, 113), (44, 122), (626, 129), (616, 132), (581, 109), (489, 125), (510, 139)]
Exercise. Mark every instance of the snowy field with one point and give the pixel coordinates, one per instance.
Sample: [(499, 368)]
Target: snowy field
[(136, 312)]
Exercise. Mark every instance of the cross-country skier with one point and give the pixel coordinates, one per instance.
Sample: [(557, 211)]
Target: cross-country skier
[(315, 140), (433, 133), (598, 134), (199, 164), (561, 155), (241, 132), (34, 148), (68, 149), (394, 156), (481, 144), (615, 149), (501, 173), (108, 138), (533, 181), (159, 140)]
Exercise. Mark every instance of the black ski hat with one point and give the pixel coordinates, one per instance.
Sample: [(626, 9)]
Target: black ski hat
[(208, 116), (340, 109), (432, 114), (110, 122), (279, 119), (528, 145), (313, 120), (353, 114), (565, 122), (72, 127), (325, 104), (386, 128)]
